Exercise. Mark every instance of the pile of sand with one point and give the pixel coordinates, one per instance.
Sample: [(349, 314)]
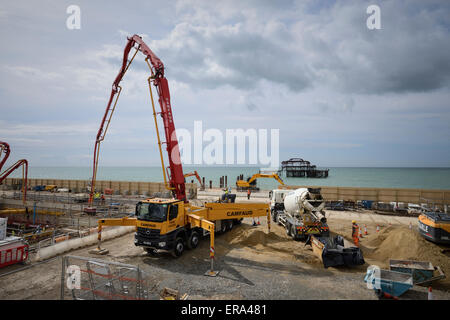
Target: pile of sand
[(392, 242), (276, 243), (247, 236), (402, 243)]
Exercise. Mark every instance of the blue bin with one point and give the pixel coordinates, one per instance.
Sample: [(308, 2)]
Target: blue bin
[(421, 271), (390, 282)]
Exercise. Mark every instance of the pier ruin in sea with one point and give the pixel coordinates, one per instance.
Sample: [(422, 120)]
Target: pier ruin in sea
[(297, 167)]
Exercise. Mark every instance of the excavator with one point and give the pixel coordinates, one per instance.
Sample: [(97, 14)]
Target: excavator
[(195, 173), (168, 224), (5, 149), (250, 183)]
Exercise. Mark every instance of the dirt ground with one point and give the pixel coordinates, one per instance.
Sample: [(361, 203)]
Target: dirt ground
[(254, 264)]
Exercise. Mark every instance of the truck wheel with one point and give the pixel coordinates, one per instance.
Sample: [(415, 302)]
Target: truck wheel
[(293, 233), (179, 247), (274, 216), (288, 229), (229, 225), (151, 251), (193, 240), (223, 226)]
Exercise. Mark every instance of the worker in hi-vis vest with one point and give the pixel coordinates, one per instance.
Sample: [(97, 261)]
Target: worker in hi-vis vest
[(355, 233)]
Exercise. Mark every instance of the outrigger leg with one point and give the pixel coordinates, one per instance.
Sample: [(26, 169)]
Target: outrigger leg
[(99, 250)]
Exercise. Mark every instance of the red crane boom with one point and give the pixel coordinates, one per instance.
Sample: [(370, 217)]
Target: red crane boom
[(4, 148), (176, 177)]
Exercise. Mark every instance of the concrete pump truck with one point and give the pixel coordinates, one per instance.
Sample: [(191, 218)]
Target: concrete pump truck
[(168, 224)]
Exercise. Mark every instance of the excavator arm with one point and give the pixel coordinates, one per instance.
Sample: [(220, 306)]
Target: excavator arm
[(195, 173), (176, 178), (246, 184)]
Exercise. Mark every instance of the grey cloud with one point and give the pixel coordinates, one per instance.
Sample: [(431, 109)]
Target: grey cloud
[(329, 45), (230, 55), (409, 53), (251, 106)]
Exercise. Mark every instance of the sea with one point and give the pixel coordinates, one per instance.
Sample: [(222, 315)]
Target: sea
[(417, 178)]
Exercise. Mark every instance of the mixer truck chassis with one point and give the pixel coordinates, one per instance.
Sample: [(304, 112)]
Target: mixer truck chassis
[(303, 215), (296, 229)]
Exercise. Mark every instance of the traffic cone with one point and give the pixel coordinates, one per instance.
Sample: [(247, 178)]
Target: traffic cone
[(430, 293), (360, 233), (365, 230), (378, 228)]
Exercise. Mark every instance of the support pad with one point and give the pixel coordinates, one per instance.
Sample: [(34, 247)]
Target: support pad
[(99, 251), (211, 273)]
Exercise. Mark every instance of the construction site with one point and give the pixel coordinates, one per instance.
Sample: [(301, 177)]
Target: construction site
[(252, 262), (173, 240)]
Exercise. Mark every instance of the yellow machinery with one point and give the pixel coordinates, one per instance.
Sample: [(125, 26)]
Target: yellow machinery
[(172, 225), (51, 187), (435, 226), (169, 224), (251, 182), (195, 173)]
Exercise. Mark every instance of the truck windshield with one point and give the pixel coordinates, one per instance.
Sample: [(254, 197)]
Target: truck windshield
[(151, 212)]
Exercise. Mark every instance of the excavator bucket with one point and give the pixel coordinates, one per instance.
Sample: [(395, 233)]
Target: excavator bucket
[(332, 253)]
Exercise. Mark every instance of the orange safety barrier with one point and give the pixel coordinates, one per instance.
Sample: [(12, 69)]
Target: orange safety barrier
[(62, 238)]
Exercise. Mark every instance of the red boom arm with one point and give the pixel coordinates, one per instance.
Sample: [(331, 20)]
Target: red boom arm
[(4, 147), (16, 165), (176, 177)]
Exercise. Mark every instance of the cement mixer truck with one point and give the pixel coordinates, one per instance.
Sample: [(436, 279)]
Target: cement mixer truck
[(300, 211)]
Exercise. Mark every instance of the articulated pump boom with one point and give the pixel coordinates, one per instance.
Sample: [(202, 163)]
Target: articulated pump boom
[(168, 224), (176, 177), (4, 148)]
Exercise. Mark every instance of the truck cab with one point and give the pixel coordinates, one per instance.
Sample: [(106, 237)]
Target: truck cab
[(276, 197), (161, 225)]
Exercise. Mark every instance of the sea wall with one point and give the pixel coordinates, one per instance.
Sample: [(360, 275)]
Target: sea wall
[(118, 187), (431, 196)]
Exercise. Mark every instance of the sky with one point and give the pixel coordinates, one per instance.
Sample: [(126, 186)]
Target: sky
[(340, 93)]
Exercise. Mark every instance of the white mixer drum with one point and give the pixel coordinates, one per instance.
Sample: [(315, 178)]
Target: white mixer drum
[(293, 200)]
